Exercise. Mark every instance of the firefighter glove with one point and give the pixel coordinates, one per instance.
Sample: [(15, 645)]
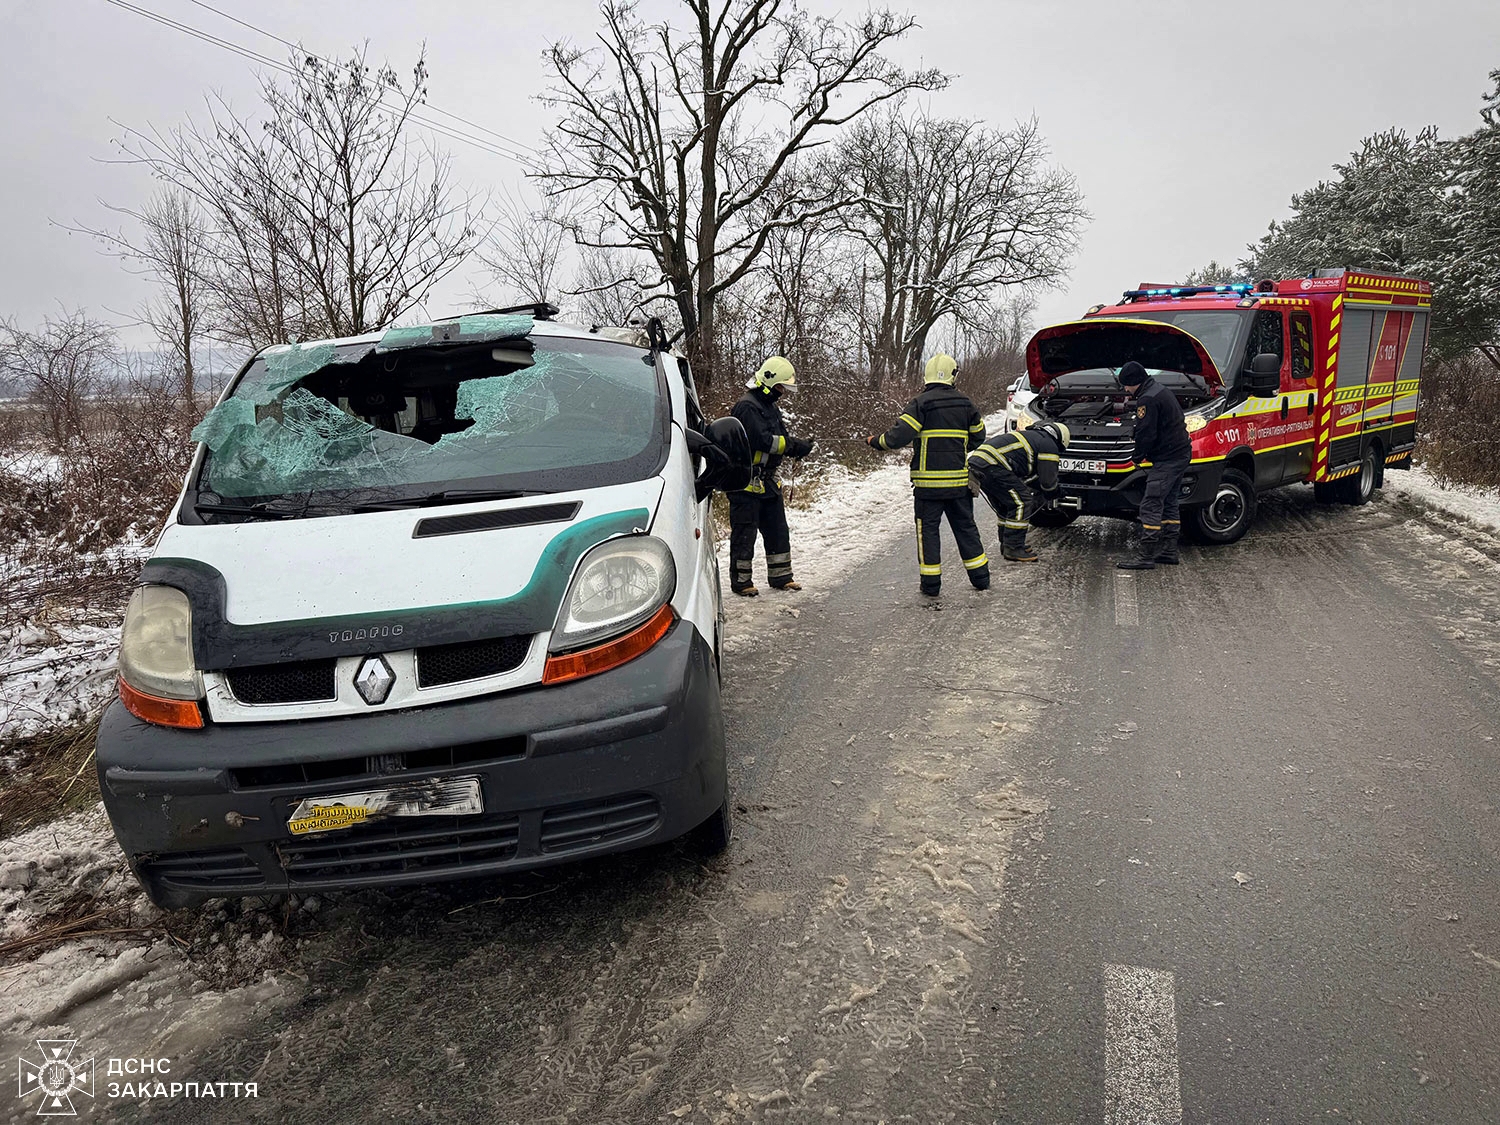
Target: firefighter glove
[(799, 447)]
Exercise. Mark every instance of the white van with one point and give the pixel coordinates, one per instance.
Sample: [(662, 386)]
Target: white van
[(434, 603)]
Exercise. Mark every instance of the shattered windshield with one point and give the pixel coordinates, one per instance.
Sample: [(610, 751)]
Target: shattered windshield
[(413, 415)]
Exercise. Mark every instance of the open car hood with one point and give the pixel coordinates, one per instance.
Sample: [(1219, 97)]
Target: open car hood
[(1107, 342)]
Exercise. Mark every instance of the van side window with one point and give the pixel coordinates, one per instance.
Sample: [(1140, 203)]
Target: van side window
[(1265, 335), (1302, 345)]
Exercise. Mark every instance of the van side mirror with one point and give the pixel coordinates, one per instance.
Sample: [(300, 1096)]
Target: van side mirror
[(1262, 379), (723, 453)]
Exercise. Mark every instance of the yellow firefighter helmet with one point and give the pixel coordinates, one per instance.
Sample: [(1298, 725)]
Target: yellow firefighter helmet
[(777, 371), (941, 368)]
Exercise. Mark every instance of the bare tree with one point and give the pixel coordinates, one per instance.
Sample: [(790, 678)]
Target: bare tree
[(676, 136), (526, 250), (170, 245), (326, 217), (610, 287), (60, 364), (951, 212)]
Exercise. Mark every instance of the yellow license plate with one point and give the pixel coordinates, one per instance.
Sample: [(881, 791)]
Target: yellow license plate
[(430, 796)]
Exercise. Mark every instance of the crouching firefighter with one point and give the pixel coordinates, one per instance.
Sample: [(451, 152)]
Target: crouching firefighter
[(760, 506), (943, 425), (1163, 447), (1005, 467)]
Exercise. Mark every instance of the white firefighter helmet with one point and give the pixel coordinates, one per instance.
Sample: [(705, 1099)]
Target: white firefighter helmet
[(1060, 432), (941, 368), (777, 371)]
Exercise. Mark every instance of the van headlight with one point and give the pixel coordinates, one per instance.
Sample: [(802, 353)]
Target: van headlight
[(620, 584), (1195, 422), (158, 679)]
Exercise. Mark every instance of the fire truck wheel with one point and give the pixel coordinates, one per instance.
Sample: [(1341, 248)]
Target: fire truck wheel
[(1053, 517), (1228, 515), (1358, 489)]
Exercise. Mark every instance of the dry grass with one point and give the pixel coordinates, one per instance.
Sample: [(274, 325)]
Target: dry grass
[(1460, 422), (53, 775)]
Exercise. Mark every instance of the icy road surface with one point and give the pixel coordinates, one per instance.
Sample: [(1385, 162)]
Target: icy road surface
[(1218, 843)]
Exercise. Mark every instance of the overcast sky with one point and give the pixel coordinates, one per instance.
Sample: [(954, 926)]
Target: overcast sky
[(1188, 124)]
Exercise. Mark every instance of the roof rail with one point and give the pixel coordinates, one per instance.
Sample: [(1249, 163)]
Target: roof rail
[(539, 310)]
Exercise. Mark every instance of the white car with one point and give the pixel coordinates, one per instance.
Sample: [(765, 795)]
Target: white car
[(1019, 394), (437, 602)]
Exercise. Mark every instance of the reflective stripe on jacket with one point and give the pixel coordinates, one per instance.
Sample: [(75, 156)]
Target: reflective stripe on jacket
[(1032, 456), (943, 425)]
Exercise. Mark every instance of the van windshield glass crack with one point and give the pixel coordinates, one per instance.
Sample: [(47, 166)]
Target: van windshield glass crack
[(346, 427)]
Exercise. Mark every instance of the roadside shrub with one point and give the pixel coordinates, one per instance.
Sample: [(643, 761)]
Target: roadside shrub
[(74, 519), (1460, 421)]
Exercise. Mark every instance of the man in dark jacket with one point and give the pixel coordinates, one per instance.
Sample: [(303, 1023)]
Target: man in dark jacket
[(943, 424), (1163, 447), (1005, 467), (760, 506)]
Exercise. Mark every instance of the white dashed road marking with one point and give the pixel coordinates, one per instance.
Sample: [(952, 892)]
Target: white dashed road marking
[(1142, 1084), (1127, 610)]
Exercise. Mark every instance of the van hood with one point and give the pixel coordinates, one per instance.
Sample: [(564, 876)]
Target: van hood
[(1082, 345), (275, 590)]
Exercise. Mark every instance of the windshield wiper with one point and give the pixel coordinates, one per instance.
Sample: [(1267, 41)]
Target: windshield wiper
[(258, 511), (447, 496)]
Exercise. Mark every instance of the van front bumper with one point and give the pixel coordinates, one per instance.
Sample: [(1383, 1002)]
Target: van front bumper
[(629, 757)]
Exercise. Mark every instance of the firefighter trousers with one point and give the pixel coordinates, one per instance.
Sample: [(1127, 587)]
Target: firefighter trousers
[(763, 513), (1160, 514), (1014, 504), (960, 513)]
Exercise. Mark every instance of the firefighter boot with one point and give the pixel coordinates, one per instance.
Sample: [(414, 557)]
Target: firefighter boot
[(1146, 552), (1166, 554), (1013, 545)]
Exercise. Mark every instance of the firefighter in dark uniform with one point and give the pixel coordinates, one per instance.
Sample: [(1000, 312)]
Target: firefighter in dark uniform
[(1004, 467), (944, 425), (760, 506), (1162, 446)]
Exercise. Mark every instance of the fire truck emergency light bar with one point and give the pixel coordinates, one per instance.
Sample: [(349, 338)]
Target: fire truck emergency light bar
[(1238, 289)]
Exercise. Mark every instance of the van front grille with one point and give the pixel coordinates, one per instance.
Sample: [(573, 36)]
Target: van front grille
[(599, 822), (226, 869), (301, 681), (420, 844), (470, 660)]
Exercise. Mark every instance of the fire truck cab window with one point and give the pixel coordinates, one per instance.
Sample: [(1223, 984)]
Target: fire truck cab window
[(1301, 331), (1265, 336)]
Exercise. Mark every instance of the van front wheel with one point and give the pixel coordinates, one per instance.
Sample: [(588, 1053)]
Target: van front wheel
[(1229, 514)]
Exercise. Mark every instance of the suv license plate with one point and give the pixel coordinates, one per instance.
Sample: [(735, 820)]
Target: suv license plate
[(1075, 465), (430, 796)]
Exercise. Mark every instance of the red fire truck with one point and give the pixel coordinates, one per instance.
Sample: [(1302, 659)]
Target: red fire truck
[(1312, 380)]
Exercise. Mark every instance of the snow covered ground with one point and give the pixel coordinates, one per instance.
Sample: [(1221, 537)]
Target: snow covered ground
[(1478, 506)]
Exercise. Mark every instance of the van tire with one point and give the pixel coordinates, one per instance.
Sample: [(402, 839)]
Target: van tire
[(1228, 516), (712, 837), (1053, 517), (1358, 489)]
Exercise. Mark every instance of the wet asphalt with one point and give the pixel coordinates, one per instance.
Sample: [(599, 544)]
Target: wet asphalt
[(952, 821)]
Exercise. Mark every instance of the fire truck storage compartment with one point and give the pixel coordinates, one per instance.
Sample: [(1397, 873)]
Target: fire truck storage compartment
[(1380, 349)]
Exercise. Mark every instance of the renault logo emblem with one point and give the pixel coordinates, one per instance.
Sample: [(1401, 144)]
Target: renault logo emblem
[(374, 680)]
